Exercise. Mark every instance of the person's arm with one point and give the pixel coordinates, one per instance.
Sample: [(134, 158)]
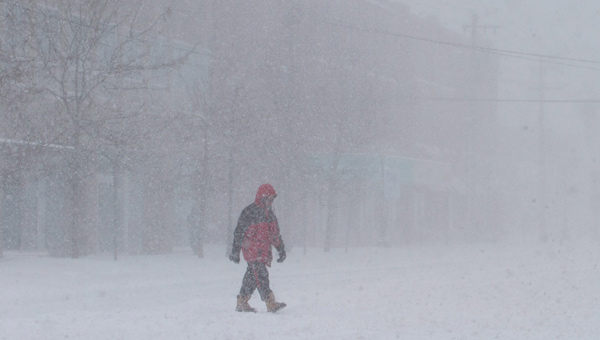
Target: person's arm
[(238, 235), (278, 242)]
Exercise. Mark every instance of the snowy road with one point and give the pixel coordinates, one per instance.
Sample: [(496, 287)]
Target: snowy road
[(459, 292)]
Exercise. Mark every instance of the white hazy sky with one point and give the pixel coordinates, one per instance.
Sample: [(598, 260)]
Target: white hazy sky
[(555, 27), (559, 28)]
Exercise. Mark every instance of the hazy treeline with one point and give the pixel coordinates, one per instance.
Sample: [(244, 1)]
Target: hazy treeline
[(140, 126)]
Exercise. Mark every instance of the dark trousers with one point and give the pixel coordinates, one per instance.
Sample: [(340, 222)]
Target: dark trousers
[(256, 277)]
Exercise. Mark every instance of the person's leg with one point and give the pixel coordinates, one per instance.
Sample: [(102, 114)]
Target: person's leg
[(249, 281), (261, 279), (266, 294), (248, 287)]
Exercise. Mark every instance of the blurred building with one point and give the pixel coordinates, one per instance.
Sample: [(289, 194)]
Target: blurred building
[(377, 126), (399, 109), (130, 209)]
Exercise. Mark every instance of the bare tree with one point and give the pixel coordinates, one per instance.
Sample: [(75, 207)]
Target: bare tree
[(17, 90), (92, 60), (202, 121)]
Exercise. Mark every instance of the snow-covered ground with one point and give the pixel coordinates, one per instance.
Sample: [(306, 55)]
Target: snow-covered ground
[(417, 292)]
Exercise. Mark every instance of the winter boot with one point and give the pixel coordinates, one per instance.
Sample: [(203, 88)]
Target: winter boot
[(272, 305), (242, 304)]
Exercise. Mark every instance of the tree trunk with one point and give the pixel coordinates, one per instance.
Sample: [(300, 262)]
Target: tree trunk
[(117, 206), (203, 198), (230, 222), (158, 237), (75, 227), (332, 194), (1, 216)]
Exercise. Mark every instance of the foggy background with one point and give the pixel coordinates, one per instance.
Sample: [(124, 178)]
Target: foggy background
[(139, 127)]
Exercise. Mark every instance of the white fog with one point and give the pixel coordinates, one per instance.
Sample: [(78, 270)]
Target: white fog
[(436, 168)]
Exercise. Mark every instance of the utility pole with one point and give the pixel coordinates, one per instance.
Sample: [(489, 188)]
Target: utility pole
[(475, 82), (542, 155), (474, 27), (542, 192)]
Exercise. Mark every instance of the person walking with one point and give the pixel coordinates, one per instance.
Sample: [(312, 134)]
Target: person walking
[(256, 232)]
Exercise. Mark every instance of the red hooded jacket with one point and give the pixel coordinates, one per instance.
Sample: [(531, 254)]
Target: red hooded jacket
[(257, 230)]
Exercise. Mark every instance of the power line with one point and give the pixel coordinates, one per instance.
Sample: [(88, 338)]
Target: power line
[(505, 100), (507, 53)]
